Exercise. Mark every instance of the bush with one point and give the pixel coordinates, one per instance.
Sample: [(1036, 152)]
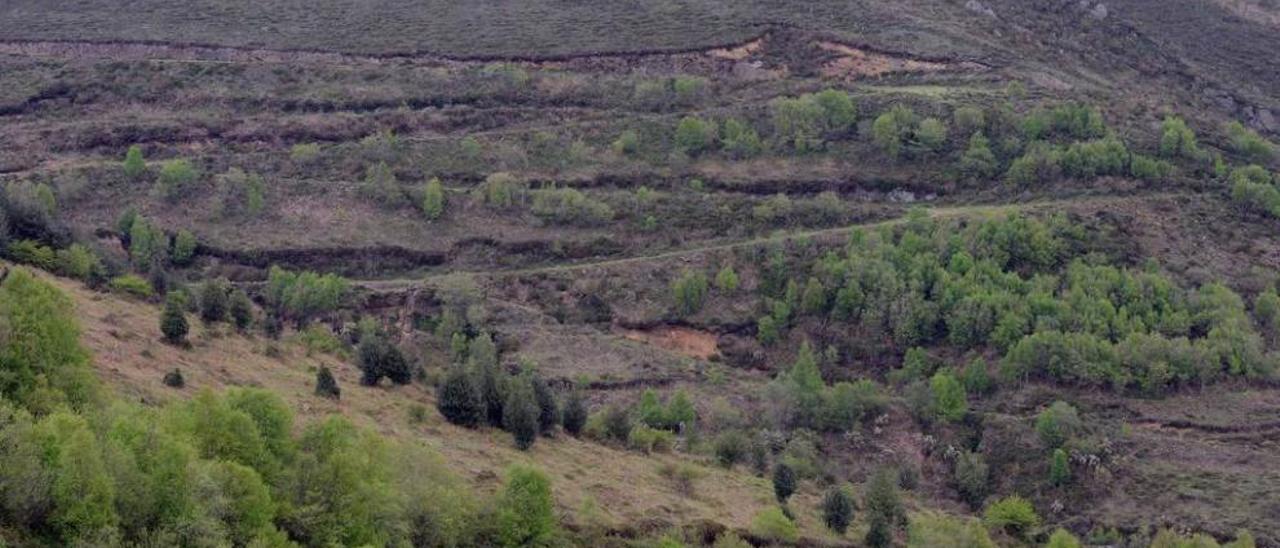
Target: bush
[(175, 176), (1177, 140), (32, 253), (173, 322), (1039, 164), (971, 477), (79, 262), (184, 248), (627, 143), (969, 119), (548, 409), (978, 162), (694, 135), (520, 414), (650, 440), (134, 165), (569, 206), (458, 399), (241, 309), (214, 300), (575, 413), (727, 280), (930, 529), (1248, 143), (1149, 169), (1059, 468), (1057, 424), (525, 510), (773, 525), (892, 130), (174, 379), (882, 501), (326, 384), (1061, 538), (381, 186), (837, 509), (683, 475), (949, 401), (690, 291), (806, 122), (931, 134), (739, 139), (784, 482), (1011, 514), (130, 284), (433, 200), (731, 448), (304, 295), (379, 358)]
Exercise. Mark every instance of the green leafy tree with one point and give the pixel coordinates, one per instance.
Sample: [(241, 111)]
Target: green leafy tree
[(525, 510), (978, 162), (1249, 144), (892, 130), (176, 176), (730, 448), (433, 200), (971, 477), (548, 408), (690, 291), (520, 413), (379, 358), (837, 509), (173, 322), (727, 279), (83, 493), (773, 525), (627, 143), (39, 343), (784, 482), (134, 164), (694, 135), (1061, 538), (458, 399), (930, 529), (931, 134), (1266, 307), (739, 139), (882, 501), (1176, 139)]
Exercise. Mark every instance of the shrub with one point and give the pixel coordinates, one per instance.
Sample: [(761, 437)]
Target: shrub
[(525, 511), (214, 300), (968, 119), (1176, 139), (978, 162), (1012, 514), (1061, 538), (134, 165), (1085, 160), (303, 295), (837, 509), (184, 248), (79, 262), (570, 206), (175, 176), (548, 410), (930, 529), (971, 477), (379, 358), (381, 186), (739, 139), (1040, 163), (627, 143), (575, 413), (174, 379), (433, 200), (1059, 468), (882, 501), (32, 253), (240, 192), (727, 280), (173, 322), (241, 309), (1248, 143), (650, 440), (772, 524), (892, 129), (731, 448), (1149, 169), (132, 285), (784, 482), (458, 400), (304, 153), (690, 291), (520, 414), (326, 384), (949, 401), (1057, 424), (931, 134), (683, 475), (806, 122), (694, 135), (320, 339)]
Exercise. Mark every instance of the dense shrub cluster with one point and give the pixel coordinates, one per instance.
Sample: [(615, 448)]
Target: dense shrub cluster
[(302, 296)]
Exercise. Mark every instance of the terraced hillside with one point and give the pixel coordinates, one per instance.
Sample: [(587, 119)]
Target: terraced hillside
[(986, 272)]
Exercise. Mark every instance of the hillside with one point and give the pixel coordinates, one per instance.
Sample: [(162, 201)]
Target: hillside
[(983, 272)]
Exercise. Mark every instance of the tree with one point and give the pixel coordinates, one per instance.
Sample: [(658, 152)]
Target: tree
[(184, 248), (978, 162), (525, 510), (241, 309), (1248, 143), (1059, 468), (1061, 538), (520, 413), (739, 139), (575, 413), (837, 509), (493, 390), (730, 448), (433, 200), (784, 482), (727, 279), (931, 134), (949, 400), (134, 165), (548, 410), (175, 176), (891, 129), (773, 525), (1176, 139), (1057, 424), (879, 533), (882, 500), (173, 322), (214, 300), (1266, 307), (458, 400), (39, 339), (326, 384), (379, 358)]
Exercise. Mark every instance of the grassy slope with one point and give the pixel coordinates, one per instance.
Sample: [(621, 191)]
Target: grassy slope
[(627, 486)]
